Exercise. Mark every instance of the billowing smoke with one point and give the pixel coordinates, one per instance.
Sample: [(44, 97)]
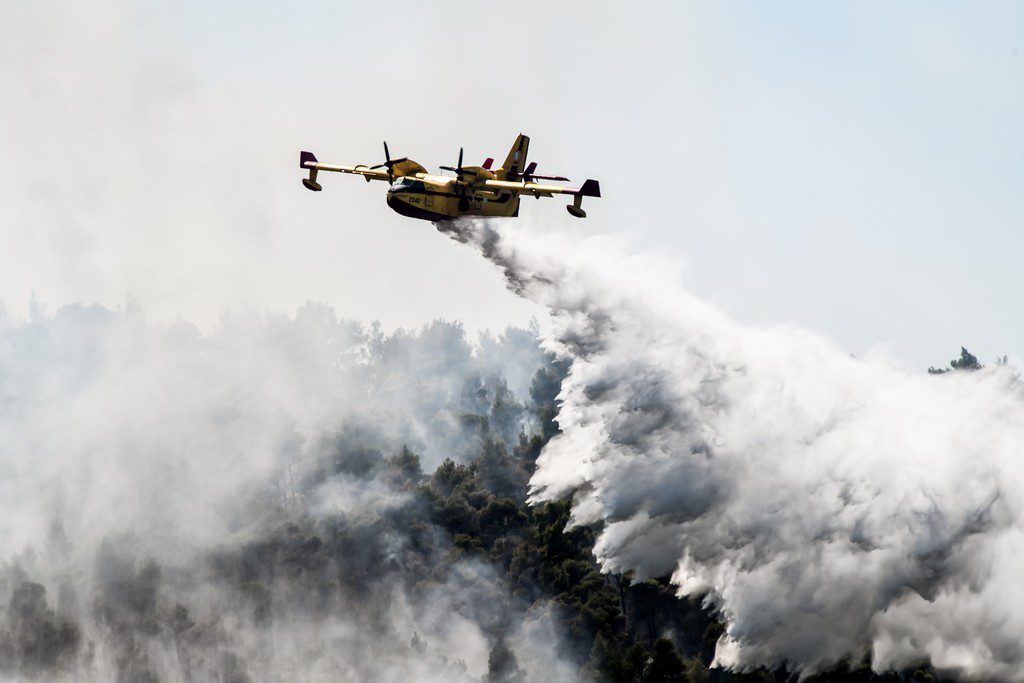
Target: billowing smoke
[(248, 503), (827, 506)]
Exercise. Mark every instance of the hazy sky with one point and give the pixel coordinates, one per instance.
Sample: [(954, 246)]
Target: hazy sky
[(852, 168)]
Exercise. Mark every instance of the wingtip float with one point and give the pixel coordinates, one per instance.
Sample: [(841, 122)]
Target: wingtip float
[(472, 191)]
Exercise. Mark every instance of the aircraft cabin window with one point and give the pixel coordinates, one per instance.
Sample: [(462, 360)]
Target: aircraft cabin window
[(407, 184)]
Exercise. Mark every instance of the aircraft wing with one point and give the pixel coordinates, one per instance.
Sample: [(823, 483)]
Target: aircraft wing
[(310, 163), (591, 188), (365, 171)]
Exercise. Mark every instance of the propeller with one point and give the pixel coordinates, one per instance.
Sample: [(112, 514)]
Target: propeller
[(462, 186), (389, 163), (458, 170)]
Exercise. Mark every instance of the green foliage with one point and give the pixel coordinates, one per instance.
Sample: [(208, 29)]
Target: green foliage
[(608, 663), (547, 383), (966, 361), (405, 468), (666, 664)]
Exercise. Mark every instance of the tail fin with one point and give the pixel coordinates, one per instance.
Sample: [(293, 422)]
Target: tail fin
[(591, 188), (515, 162)]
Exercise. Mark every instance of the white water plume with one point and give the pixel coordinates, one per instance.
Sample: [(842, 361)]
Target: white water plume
[(827, 506)]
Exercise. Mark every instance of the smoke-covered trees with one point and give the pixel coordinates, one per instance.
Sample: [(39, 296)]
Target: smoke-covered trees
[(388, 539), (502, 666), (34, 639)]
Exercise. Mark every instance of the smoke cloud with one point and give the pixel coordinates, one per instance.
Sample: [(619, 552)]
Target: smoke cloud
[(826, 506), (238, 505)]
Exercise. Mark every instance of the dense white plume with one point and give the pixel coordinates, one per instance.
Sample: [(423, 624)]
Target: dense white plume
[(828, 506)]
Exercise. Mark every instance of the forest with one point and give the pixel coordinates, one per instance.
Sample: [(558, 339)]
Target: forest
[(351, 552)]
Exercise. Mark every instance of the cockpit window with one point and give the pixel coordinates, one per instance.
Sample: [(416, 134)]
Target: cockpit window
[(406, 184)]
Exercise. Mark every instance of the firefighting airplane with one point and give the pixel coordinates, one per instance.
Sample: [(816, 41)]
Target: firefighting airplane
[(473, 191)]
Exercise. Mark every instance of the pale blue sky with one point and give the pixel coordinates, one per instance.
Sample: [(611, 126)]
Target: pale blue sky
[(853, 168)]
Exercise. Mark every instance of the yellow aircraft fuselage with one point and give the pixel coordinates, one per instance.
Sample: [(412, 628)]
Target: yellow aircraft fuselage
[(472, 191), (438, 197)]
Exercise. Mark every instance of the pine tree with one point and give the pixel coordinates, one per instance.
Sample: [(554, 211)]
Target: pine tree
[(502, 666)]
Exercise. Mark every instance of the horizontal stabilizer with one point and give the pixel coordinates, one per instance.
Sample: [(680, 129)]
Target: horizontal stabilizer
[(529, 175)]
